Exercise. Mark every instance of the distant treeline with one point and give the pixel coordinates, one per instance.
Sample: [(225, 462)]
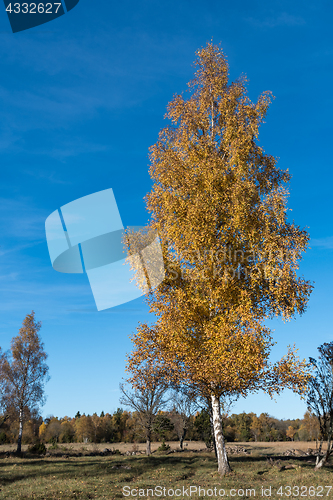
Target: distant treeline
[(124, 426)]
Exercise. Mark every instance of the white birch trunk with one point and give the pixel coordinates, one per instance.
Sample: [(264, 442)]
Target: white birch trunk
[(222, 459), (19, 441), (211, 421), (319, 452), (324, 460)]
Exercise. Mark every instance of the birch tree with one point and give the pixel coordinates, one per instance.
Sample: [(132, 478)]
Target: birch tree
[(218, 204), (24, 372)]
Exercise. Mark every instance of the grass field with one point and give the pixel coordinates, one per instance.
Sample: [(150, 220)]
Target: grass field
[(64, 475)]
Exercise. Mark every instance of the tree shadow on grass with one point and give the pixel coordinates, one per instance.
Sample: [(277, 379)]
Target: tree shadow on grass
[(124, 469), (305, 462)]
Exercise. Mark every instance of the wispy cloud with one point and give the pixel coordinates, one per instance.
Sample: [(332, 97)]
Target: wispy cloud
[(283, 19), (326, 242), (10, 276), (49, 176), (89, 77), (8, 249), (54, 105), (73, 149), (21, 220), (25, 293)]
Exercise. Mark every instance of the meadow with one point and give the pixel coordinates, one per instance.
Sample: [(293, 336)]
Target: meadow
[(81, 471)]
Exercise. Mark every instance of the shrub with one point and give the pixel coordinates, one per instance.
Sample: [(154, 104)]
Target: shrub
[(37, 449), (3, 437), (163, 447)]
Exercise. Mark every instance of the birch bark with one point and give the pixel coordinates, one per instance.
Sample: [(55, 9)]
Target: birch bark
[(222, 459), (19, 441)]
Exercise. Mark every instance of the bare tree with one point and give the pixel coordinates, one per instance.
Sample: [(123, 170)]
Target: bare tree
[(185, 404), (146, 399), (320, 398), (23, 372)]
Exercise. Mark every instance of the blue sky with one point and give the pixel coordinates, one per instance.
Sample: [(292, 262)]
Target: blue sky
[(82, 99)]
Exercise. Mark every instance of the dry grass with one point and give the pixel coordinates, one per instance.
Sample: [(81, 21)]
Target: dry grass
[(278, 448), (275, 448), (122, 447), (103, 477)]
